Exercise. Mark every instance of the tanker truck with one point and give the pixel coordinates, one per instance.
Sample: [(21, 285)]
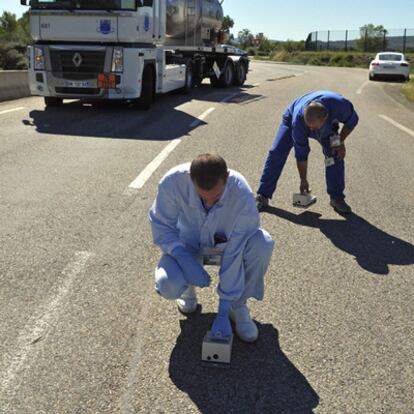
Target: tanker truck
[(128, 49)]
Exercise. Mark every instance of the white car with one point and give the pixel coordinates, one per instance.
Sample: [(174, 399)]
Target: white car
[(389, 64)]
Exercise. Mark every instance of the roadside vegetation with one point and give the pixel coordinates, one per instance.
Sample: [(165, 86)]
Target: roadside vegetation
[(14, 38), (408, 88)]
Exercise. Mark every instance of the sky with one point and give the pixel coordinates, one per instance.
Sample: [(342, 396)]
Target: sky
[(294, 19)]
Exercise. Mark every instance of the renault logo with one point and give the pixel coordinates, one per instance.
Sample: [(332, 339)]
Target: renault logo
[(77, 59)]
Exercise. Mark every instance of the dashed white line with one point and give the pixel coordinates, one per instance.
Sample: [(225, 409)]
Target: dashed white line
[(396, 124), (11, 110), (202, 117), (13, 363), (359, 91), (140, 181)]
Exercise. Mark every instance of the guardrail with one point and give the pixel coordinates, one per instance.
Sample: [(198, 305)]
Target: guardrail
[(14, 84)]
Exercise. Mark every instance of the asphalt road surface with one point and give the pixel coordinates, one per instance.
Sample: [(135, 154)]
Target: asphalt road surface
[(81, 328)]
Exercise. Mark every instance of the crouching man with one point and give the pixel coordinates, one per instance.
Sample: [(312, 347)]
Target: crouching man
[(205, 213)]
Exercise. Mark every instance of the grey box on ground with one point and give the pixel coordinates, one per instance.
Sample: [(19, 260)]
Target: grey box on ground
[(216, 350)]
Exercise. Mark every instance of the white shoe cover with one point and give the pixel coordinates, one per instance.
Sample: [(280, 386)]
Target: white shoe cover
[(246, 329), (187, 303)]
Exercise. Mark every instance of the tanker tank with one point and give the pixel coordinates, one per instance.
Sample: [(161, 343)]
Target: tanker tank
[(193, 22)]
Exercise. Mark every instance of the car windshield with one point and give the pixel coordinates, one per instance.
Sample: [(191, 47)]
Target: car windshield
[(390, 57), (84, 4)]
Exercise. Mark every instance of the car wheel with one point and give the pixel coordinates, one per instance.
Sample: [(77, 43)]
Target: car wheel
[(371, 77)]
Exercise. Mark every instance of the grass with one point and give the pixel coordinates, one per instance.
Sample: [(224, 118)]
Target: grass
[(408, 89)]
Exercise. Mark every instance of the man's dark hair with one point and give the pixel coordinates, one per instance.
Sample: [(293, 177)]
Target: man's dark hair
[(315, 111), (207, 169)]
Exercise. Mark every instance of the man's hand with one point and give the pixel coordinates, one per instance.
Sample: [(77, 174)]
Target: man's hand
[(304, 187), (193, 271), (340, 152), (221, 326)]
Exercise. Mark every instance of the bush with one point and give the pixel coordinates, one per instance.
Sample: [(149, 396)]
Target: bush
[(251, 51), (314, 61), (13, 56)]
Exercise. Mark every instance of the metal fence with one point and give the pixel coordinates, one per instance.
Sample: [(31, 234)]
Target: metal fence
[(398, 40)]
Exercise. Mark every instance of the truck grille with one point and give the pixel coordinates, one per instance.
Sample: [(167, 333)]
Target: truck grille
[(76, 64)]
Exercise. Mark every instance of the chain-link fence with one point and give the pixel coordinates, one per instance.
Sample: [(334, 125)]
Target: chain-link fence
[(364, 40)]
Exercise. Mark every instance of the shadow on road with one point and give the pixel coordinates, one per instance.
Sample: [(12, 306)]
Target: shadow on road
[(373, 248), (260, 379), (163, 122)]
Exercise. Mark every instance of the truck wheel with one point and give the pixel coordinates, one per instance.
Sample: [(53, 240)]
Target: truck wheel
[(240, 75), (226, 78), (147, 91), (51, 101), (188, 78)]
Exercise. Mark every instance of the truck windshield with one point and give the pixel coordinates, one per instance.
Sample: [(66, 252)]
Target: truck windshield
[(84, 4)]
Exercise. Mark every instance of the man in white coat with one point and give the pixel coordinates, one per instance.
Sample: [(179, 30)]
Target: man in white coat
[(206, 213)]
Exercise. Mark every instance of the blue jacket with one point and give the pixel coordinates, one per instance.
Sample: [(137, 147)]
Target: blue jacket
[(339, 110)]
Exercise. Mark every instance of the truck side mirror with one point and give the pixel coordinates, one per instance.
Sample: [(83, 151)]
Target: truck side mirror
[(23, 2)]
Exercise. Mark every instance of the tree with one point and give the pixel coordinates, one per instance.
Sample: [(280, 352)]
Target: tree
[(246, 38), (8, 26), (372, 38), (228, 23)]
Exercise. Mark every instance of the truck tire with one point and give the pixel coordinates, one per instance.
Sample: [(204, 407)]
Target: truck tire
[(240, 74), (51, 101), (189, 79), (226, 78), (148, 91)]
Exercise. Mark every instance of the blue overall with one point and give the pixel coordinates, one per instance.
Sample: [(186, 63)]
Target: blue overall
[(293, 132)]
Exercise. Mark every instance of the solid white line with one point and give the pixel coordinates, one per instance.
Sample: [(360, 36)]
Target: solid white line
[(12, 364), (359, 91), (203, 116), (11, 110), (396, 124), (139, 182)]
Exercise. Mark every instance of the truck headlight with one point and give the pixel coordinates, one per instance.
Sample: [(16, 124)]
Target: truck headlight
[(39, 58), (118, 60)]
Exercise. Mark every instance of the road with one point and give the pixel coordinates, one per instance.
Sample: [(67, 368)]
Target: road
[(82, 329)]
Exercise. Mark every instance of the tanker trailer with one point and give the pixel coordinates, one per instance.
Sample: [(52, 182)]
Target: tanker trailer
[(128, 49)]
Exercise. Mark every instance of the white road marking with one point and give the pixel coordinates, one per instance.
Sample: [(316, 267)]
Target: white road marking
[(359, 91), (140, 181), (396, 124), (14, 363), (202, 117), (11, 110)]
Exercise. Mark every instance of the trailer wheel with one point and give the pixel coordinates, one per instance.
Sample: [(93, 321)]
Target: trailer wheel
[(226, 78), (51, 101), (148, 91), (189, 79), (240, 75)]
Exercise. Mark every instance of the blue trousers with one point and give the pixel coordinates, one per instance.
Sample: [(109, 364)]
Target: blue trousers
[(278, 154), (171, 284)]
